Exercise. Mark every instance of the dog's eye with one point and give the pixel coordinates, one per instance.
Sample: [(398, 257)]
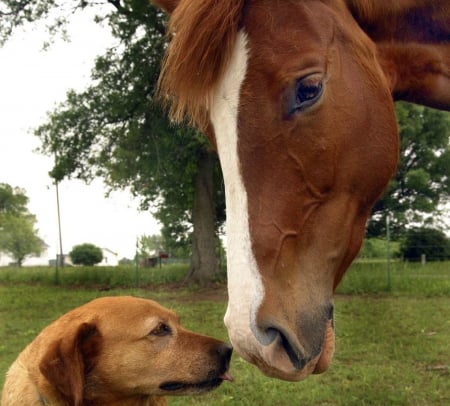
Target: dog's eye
[(161, 330)]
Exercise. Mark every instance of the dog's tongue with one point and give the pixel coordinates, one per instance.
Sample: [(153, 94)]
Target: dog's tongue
[(226, 376)]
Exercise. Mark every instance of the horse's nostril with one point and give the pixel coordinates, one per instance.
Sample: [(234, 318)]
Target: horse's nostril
[(295, 355)]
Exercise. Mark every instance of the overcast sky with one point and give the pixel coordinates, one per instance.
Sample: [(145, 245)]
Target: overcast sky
[(32, 82)]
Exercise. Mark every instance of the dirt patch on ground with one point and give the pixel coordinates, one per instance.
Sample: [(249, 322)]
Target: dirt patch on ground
[(217, 293)]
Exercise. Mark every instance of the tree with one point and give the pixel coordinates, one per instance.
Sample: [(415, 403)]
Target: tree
[(115, 130), (422, 181), (86, 254), (432, 243), (13, 201), (18, 236), (150, 244)]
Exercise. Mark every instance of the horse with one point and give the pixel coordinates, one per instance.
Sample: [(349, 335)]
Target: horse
[(297, 97)]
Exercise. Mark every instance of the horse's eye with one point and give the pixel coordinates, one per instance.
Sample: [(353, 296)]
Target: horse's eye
[(161, 330), (308, 91)]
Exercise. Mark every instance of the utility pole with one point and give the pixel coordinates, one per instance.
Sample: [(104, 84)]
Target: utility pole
[(61, 255)]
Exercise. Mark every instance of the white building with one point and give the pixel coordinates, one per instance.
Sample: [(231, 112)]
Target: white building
[(110, 258)]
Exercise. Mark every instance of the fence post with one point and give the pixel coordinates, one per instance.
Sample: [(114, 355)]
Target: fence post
[(136, 274), (57, 269), (388, 254), (423, 259)]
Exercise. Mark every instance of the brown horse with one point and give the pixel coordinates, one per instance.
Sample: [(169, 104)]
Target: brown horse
[(298, 98)]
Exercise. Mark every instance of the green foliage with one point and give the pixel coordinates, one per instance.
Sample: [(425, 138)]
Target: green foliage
[(86, 254), (150, 245), (127, 261), (15, 13), (432, 243), (422, 181), (13, 201), (377, 248), (18, 236)]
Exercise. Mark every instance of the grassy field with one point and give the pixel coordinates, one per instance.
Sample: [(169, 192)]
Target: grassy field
[(392, 347)]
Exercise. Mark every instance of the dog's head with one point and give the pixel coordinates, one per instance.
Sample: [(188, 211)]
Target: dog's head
[(124, 347)]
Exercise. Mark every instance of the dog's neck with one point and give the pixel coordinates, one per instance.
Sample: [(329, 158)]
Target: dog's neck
[(136, 401)]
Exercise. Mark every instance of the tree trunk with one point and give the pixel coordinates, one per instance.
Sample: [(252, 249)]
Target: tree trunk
[(204, 263)]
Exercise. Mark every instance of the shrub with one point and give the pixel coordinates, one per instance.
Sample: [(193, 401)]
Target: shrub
[(377, 248), (86, 254), (426, 241)]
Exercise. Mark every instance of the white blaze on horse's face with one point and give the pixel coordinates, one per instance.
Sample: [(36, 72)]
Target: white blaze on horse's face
[(245, 288)]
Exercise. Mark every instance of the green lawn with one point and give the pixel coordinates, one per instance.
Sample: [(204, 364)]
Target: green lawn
[(392, 348)]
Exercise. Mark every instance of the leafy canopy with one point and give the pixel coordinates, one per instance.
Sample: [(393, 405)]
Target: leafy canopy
[(18, 235), (421, 185), (432, 243), (13, 201), (86, 254)]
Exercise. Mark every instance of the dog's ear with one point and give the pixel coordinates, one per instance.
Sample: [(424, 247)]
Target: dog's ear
[(67, 361), (412, 39), (167, 5)]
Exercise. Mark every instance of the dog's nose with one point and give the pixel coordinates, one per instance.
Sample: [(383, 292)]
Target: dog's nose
[(224, 350)]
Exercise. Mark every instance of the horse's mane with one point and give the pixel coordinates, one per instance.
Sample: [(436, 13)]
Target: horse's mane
[(403, 20), (203, 34), (371, 10)]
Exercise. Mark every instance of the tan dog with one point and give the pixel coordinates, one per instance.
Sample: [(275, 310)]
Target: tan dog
[(115, 351)]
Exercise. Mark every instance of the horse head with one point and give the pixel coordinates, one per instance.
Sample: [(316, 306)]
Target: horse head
[(298, 97)]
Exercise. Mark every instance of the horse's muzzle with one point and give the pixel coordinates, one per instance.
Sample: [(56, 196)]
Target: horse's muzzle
[(287, 353)]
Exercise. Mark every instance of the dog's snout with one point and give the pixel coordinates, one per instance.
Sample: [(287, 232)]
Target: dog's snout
[(223, 353)]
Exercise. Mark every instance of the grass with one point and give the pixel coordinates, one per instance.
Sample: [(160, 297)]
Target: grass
[(95, 275), (392, 348), (432, 279)]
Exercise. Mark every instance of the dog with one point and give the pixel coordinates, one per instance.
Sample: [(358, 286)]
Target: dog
[(113, 351)]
